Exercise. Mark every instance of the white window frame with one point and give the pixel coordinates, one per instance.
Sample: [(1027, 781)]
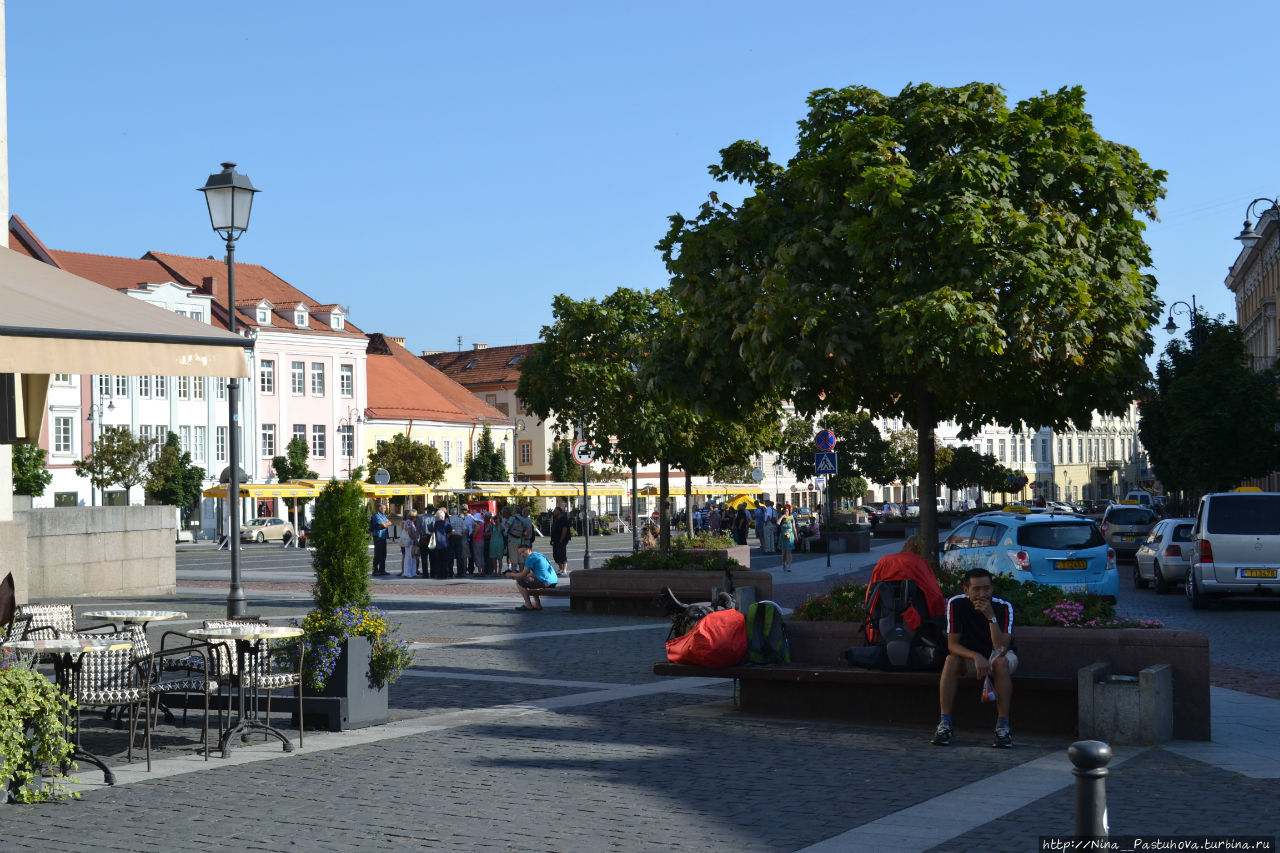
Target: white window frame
[(298, 378), (267, 376), (317, 378), (162, 387), (318, 441), (347, 380), (144, 387), (220, 444), (63, 435), (198, 444), (268, 444)]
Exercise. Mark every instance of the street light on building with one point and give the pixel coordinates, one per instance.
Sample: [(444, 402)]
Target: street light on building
[(1171, 326), (1247, 235), (229, 196), (95, 425), (347, 429)]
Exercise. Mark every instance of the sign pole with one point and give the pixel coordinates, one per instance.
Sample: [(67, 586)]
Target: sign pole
[(586, 523)]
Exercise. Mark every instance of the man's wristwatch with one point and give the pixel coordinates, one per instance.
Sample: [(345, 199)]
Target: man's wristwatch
[(993, 621)]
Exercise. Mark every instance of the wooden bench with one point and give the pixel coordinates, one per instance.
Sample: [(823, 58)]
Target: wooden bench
[(819, 681)]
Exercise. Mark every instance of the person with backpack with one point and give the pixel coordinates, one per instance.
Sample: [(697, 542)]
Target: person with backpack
[(979, 643)]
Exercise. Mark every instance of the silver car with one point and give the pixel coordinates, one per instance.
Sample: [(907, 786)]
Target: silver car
[(1237, 547), (1165, 556), (1125, 526)]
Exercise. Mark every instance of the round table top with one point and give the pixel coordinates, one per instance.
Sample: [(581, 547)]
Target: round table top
[(246, 632), (69, 645), (130, 615)]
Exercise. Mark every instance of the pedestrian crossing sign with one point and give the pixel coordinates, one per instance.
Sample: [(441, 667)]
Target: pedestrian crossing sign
[(825, 463)]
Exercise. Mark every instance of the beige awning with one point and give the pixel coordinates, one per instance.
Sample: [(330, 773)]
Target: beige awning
[(56, 322)]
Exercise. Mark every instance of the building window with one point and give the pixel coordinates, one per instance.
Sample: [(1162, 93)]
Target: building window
[(122, 386), (62, 435), (520, 407), (264, 317), (317, 378), (184, 438), (991, 448), (300, 319), (220, 387), (198, 444), (298, 378), (220, 444), (347, 433), (347, 380), (491, 400), (66, 498), (1068, 451), (161, 387), (162, 433), (184, 387), (1080, 449), (104, 386), (144, 387), (62, 378), (268, 440), (300, 432), (144, 432), (318, 441), (267, 376), (526, 453), (1001, 457), (1059, 451), (447, 455), (197, 387)]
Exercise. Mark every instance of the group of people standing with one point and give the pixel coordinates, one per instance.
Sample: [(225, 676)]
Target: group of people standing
[(450, 542)]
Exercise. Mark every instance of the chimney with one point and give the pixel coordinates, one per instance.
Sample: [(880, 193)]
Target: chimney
[(207, 283), (479, 346), (395, 340), (426, 353)]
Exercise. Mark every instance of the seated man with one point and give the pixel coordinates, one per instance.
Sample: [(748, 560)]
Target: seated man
[(979, 643), (537, 574), (809, 533)]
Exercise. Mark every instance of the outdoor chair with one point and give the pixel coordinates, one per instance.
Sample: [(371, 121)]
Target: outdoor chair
[(48, 621), (265, 672), (14, 627), (161, 680), (111, 679)]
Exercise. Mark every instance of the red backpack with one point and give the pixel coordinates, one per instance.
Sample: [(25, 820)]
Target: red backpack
[(718, 640)]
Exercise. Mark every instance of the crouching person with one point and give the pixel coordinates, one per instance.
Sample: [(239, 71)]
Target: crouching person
[(537, 574), (979, 644)]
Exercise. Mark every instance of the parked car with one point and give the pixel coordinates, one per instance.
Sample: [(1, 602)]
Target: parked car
[(1059, 506), (1066, 551), (1126, 526), (1237, 546), (1163, 559), (873, 514), (264, 529)]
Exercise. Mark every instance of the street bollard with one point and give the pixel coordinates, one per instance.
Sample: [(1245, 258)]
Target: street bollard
[(1090, 758)]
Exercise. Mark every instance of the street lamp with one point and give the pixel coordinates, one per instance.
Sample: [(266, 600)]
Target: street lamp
[(348, 425), (229, 195), (1171, 326), (1247, 235), (517, 426), (95, 409)]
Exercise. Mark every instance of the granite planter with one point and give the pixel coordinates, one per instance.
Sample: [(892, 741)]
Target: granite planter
[(350, 699), (632, 591)]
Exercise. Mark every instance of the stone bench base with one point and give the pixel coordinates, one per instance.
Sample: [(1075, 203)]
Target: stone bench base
[(631, 592)]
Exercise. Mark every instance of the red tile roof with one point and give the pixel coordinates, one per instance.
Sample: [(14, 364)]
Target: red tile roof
[(116, 273), (492, 365), (402, 385)]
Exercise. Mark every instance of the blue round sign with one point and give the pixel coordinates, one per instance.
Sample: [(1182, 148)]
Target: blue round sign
[(825, 440)]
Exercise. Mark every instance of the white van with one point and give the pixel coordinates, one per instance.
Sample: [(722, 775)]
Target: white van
[(1139, 496), (913, 509), (1236, 546)]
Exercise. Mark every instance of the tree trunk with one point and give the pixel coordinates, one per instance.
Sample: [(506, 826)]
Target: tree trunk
[(927, 418), (688, 505), (664, 507)]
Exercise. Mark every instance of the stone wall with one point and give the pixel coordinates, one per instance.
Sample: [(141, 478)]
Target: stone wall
[(98, 551)]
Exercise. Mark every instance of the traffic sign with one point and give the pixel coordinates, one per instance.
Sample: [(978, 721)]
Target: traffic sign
[(825, 463), (821, 482), (581, 453), (825, 440)]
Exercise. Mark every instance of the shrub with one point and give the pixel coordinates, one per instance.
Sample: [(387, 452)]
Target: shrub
[(704, 541), (34, 732), (676, 559)]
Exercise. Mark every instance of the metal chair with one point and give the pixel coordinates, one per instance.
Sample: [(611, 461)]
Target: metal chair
[(111, 679), (48, 621), (161, 680)]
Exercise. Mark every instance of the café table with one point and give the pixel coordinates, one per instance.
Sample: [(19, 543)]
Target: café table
[(249, 640), (67, 652)]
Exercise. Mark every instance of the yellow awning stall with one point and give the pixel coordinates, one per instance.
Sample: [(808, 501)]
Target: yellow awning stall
[(568, 490), (727, 489), (266, 490)]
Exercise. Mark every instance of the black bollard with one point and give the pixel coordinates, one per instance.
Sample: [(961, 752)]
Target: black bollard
[(1090, 758)]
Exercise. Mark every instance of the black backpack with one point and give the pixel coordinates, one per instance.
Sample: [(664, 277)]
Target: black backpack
[(891, 643)]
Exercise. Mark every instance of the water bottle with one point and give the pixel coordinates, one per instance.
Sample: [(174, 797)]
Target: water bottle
[(988, 690)]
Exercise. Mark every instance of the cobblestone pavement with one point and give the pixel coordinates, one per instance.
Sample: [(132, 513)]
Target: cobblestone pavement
[(548, 731)]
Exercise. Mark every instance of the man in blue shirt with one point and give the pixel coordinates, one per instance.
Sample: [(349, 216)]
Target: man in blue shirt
[(378, 525), (537, 574)]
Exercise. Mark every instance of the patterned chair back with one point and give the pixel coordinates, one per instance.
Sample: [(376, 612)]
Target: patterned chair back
[(110, 677), (60, 617), (227, 664)]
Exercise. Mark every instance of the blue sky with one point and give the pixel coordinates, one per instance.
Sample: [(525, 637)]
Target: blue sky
[(444, 170)]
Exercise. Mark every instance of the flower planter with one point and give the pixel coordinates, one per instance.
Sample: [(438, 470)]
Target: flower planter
[(349, 699)]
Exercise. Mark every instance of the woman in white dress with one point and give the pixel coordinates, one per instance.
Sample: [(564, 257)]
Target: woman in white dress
[(409, 543)]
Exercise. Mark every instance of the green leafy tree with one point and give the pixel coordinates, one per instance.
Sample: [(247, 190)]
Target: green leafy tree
[(339, 535), (954, 257), (739, 473), (119, 458), (30, 477), (969, 469), (172, 480), (861, 451), (560, 462), (407, 461), (488, 464), (293, 466), (1209, 421)]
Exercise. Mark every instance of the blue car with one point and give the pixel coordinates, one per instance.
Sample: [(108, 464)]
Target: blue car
[(1057, 549)]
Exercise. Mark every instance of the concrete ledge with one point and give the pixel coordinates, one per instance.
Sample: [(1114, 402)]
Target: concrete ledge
[(631, 591)]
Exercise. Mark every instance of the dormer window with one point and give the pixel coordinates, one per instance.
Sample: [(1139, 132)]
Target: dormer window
[(513, 362), (300, 318), (264, 316), (472, 363)]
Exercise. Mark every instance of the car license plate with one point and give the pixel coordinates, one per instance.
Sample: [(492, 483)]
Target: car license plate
[(1257, 573), (1075, 587), (1127, 538), (1071, 564)]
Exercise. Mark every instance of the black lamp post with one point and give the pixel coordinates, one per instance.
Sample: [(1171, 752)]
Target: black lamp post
[(346, 424), (1171, 326), (95, 425), (229, 195), (1247, 235)]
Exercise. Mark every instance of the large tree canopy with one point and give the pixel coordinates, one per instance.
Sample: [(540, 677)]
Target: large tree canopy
[(1209, 422), (407, 461), (934, 254)]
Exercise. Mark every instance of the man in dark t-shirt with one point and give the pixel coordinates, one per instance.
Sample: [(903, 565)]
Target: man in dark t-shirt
[(980, 644)]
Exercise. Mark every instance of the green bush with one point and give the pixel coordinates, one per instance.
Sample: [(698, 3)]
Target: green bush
[(34, 732), (704, 541), (676, 559)]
